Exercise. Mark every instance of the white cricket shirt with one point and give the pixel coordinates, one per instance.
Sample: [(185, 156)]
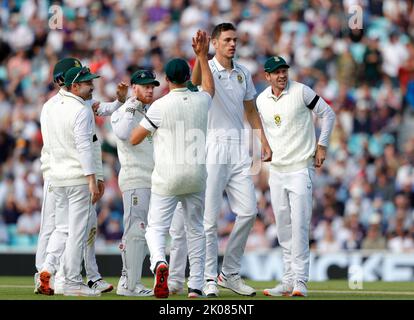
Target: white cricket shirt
[(226, 115)]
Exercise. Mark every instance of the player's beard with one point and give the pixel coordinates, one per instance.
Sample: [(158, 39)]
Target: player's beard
[(86, 93)]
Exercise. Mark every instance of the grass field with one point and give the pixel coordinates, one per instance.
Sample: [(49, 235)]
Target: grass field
[(21, 288)]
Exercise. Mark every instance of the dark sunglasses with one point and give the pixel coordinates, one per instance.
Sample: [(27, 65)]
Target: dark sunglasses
[(147, 74)]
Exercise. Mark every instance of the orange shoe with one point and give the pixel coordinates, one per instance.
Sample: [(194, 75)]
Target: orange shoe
[(45, 287), (161, 280)]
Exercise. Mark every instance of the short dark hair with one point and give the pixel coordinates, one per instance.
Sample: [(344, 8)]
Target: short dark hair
[(218, 29)]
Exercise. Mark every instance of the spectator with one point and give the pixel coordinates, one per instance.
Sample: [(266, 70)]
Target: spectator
[(28, 223), (374, 239)]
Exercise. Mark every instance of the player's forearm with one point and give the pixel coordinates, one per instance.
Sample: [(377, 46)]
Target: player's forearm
[(138, 135), (207, 81), (107, 108), (254, 120), (196, 77)]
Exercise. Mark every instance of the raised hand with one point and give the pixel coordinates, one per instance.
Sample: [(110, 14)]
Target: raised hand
[(121, 91), (201, 43)]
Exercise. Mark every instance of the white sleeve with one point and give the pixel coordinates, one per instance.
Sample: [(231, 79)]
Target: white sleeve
[(83, 132), (97, 154), (323, 111), (208, 98), (122, 119), (108, 108), (152, 120)]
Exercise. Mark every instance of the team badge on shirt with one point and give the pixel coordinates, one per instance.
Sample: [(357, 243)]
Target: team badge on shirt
[(134, 200), (240, 78), (278, 120)]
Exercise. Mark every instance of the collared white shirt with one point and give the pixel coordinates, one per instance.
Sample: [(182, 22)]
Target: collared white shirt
[(232, 88)]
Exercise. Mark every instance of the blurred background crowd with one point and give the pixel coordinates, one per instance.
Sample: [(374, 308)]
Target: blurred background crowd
[(363, 195)]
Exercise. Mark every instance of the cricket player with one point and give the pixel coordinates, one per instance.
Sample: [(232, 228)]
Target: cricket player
[(228, 161), (134, 181), (179, 124), (69, 140), (56, 244), (286, 109)]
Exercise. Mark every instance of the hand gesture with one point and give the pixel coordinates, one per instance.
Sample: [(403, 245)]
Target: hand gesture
[(320, 156), (121, 91), (95, 107), (201, 44), (266, 153), (101, 188), (93, 189)]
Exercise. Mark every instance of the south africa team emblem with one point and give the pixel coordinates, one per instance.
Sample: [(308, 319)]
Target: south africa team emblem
[(278, 120), (240, 78)]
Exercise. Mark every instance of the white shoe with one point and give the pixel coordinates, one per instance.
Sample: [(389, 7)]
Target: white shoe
[(300, 289), (195, 293), (36, 282), (210, 289), (282, 289), (80, 290), (59, 283), (100, 285), (236, 284), (175, 289), (140, 290)]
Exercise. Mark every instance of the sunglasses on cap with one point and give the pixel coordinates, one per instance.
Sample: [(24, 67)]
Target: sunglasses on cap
[(83, 71), (147, 74)]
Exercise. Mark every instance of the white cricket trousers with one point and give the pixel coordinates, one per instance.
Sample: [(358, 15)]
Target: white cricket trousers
[(159, 221), (136, 206), (47, 224), (53, 235), (228, 165), (74, 206), (178, 249), (291, 197)]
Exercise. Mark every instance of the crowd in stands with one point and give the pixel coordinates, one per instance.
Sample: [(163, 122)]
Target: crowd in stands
[(364, 193)]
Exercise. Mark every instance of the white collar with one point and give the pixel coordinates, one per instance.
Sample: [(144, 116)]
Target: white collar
[(220, 68), (179, 90), (271, 95), (71, 95)]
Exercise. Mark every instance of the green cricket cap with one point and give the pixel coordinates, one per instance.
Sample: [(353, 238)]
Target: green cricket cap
[(78, 74), (275, 63), (144, 77), (178, 71), (63, 65)]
